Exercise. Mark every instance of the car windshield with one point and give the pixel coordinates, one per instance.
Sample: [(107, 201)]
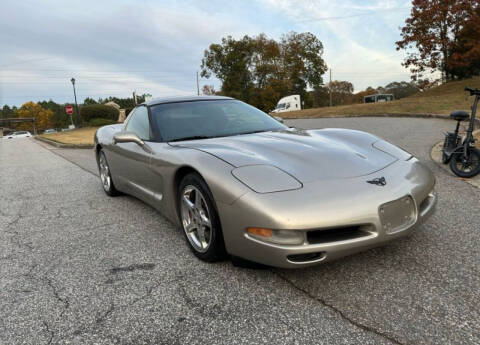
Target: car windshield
[(210, 119), (280, 106)]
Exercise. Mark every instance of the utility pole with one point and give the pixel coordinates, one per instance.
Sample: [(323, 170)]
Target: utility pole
[(77, 115), (330, 87), (198, 86), (134, 98)]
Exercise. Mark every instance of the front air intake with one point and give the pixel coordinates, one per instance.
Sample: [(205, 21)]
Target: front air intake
[(337, 234)]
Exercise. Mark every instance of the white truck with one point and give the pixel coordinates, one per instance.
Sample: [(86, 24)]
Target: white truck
[(288, 103)]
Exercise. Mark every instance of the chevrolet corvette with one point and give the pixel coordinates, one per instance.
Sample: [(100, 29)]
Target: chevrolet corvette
[(240, 183)]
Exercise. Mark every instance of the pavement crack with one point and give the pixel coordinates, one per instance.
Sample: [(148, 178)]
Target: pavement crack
[(134, 267), (50, 332), (15, 221), (63, 300), (100, 319), (344, 316)]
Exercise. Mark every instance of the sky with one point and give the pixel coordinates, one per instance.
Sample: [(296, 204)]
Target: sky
[(113, 47)]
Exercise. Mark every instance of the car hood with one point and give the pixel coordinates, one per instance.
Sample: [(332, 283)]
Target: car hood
[(306, 155)]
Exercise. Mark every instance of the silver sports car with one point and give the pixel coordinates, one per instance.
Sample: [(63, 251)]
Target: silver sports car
[(239, 182)]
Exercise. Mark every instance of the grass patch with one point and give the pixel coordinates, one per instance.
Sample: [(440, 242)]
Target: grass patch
[(81, 136), (440, 100)]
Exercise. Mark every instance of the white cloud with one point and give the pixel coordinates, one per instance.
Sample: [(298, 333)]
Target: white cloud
[(112, 47), (359, 47)]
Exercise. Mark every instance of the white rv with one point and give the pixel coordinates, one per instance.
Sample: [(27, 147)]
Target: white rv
[(288, 103)]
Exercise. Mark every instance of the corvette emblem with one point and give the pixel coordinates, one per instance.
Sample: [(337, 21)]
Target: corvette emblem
[(379, 181)]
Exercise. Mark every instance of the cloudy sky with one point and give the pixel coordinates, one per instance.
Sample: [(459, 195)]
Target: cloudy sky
[(113, 47)]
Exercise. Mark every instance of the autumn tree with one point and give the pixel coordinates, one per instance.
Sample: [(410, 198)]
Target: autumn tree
[(430, 32), (42, 116), (465, 58), (208, 90)]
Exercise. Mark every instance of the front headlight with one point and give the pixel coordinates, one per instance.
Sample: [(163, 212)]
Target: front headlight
[(392, 150), (266, 178)]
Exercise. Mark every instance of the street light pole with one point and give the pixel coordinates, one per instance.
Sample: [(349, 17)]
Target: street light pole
[(330, 87), (76, 104)]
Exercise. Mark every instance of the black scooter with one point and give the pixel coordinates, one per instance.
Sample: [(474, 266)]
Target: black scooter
[(464, 158)]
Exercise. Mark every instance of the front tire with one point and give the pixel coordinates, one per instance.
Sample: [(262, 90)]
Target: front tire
[(106, 176), (199, 219), (466, 167)]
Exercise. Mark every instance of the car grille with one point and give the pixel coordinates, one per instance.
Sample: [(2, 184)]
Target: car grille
[(337, 234), (397, 215)]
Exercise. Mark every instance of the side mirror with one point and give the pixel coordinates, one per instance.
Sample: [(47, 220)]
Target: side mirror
[(130, 137), (127, 137), (279, 119)]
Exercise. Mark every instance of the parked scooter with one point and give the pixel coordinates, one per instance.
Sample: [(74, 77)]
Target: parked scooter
[(464, 158)]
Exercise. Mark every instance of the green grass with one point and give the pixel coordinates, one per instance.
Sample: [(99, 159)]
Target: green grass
[(440, 100)]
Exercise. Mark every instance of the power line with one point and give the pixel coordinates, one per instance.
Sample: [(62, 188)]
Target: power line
[(25, 61), (352, 15)]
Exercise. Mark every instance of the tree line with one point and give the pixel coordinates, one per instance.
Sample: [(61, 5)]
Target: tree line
[(50, 114), (439, 35)]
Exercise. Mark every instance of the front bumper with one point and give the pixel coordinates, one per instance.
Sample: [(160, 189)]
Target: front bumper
[(330, 205)]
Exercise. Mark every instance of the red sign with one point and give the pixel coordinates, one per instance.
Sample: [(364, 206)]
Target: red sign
[(69, 109)]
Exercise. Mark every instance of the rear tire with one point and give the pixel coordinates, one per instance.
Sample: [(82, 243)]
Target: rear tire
[(106, 176), (199, 219), (466, 168)]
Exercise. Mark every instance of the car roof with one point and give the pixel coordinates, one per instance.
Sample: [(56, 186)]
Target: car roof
[(179, 99)]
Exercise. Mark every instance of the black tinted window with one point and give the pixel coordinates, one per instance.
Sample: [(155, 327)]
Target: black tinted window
[(214, 118), (139, 123)]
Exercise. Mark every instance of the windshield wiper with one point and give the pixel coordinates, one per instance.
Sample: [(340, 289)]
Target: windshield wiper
[(193, 137)]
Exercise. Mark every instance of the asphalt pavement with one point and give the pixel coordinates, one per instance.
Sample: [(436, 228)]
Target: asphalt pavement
[(78, 267)]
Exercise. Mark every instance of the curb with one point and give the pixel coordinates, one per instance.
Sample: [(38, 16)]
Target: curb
[(422, 116), (63, 146)]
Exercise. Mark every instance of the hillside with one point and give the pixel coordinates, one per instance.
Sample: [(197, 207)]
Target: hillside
[(439, 100)]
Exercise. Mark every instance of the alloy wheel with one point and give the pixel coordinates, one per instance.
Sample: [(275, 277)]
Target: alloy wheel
[(196, 220)]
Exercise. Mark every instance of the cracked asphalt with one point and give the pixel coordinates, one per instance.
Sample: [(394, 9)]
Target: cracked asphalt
[(78, 267)]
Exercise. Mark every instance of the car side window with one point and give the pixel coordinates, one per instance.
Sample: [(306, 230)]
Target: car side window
[(139, 123)]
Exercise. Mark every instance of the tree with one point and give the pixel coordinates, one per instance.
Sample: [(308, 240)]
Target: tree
[(89, 101), (260, 70), (7, 112), (59, 119), (342, 92), (400, 89), (465, 58), (302, 60), (43, 116), (208, 90), (230, 62), (430, 32)]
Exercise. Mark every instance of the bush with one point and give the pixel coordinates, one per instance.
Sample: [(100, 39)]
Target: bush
[(98, 122), (98, 111)]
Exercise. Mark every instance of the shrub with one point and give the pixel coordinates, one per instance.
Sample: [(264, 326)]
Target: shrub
[(98, 111), (98, 122)]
